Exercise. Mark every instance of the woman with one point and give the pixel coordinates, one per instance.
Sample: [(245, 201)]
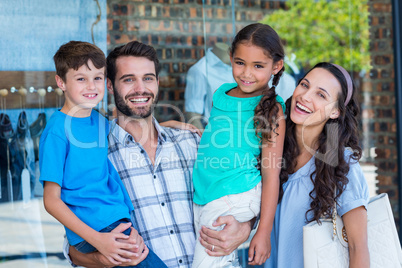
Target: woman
[(321, 154)]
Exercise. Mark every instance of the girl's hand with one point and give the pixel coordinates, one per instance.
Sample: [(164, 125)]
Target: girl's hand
[(260, 249), (181, 125)]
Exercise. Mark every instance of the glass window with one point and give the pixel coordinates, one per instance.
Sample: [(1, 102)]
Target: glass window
[(192, 39)]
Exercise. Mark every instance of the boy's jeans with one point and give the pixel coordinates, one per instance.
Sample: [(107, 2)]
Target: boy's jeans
[(151, 261), (244, 207)]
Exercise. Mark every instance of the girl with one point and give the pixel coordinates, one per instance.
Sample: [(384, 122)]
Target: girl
[(246, 122), (321, 124)]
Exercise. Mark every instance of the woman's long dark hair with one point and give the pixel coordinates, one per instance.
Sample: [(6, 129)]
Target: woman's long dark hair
[(331, 165), (266, 112)]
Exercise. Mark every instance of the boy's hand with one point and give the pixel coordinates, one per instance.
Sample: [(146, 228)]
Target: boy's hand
[(135, 255), (134, 239), (260, 248), (111, 247)]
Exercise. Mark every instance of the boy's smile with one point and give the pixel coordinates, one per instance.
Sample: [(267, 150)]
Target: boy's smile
[(83, 89)]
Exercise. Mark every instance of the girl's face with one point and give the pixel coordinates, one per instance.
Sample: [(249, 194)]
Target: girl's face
[(315, 99), (252, 69)]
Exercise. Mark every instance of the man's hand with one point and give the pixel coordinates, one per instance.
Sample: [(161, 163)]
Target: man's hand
[(134, 256), (181, 125), (228, 239), (97, 260)]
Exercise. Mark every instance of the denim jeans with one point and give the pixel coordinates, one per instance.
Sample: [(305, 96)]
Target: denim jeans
[(6, 135), (22, 156), (151, 261), (36, 129)]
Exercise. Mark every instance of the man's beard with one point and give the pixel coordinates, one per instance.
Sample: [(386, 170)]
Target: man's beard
[(138, 113)]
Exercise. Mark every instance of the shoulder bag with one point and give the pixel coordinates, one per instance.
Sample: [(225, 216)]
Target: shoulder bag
[(325, 245)]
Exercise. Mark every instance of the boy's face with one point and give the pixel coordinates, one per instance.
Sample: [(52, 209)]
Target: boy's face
[(83, 89)]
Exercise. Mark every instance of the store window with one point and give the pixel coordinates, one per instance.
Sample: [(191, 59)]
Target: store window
[(31, 32), (191, 38)]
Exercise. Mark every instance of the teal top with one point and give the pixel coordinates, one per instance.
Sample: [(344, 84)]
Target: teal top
[(228, 150)]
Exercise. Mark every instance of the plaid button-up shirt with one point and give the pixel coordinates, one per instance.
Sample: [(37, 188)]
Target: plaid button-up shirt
[(162, 193)]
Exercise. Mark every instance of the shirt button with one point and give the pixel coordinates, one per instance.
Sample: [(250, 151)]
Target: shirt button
[(163, 204), (142, 151), (171, 231), (180, 261), (154, 176), (127, 141)]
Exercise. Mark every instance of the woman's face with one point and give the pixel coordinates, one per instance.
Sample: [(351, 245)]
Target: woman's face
[(315, 99)]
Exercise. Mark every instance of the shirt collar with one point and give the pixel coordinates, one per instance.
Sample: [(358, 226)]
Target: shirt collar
[(123, 136)]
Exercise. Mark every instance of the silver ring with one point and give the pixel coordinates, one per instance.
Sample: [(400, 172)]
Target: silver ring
[(213, 247)]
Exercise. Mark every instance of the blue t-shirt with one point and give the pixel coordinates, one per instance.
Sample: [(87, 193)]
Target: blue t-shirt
[(73, 153), (287, 232), (229, 147)]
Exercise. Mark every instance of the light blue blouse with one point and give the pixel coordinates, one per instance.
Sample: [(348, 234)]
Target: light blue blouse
[(287, 232)]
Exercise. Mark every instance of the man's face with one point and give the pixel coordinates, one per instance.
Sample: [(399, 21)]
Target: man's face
[(136, 86)]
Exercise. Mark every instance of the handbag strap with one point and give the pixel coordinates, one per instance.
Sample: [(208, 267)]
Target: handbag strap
[(334, 214)]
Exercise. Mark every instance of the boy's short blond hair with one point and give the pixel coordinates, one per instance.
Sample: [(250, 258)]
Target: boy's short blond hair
[(74, 54)]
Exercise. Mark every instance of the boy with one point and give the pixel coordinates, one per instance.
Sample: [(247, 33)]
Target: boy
[(82, 189)]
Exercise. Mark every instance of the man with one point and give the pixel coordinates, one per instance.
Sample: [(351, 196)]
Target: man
[(155, 165)]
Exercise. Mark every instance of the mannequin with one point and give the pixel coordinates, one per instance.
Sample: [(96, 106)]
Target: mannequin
[(208, 74), (221, 50), (203, 78)]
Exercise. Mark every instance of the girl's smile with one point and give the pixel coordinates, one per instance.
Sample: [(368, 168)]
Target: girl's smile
[(252, 69)]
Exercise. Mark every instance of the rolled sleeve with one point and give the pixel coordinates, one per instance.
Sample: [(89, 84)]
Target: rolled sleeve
[(356, 193)]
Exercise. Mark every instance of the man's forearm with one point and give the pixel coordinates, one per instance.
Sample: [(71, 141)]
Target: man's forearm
[(89, 260)]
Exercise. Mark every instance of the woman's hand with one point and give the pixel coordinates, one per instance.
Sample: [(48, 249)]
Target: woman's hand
[(226, 240)]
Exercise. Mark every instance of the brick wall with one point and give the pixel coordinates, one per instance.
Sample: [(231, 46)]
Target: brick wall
[(379, 107), (175, 29)]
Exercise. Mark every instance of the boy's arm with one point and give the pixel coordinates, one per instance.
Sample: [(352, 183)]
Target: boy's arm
[(105, 243), (271, 159), (96, 259)]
